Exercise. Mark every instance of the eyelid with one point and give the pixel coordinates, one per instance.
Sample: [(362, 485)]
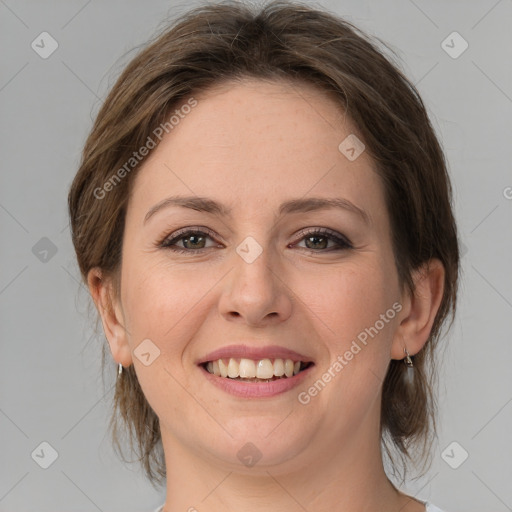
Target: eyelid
[(342, 241), (339, 238), (183, 231)]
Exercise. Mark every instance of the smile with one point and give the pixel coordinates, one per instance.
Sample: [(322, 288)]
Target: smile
[(250, 370), (253, 371)]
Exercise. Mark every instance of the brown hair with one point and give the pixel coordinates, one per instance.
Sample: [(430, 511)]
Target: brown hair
[(296, 42)]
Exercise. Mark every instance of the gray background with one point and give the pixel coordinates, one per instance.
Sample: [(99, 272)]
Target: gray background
[(50, 384)]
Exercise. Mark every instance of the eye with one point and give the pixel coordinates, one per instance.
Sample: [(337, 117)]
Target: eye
[(318, 239), (194, 240)]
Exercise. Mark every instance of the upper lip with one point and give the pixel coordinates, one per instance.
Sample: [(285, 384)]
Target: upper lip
[(255, 353)]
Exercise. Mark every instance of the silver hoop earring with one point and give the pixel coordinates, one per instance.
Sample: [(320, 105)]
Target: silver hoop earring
[(119, 370)]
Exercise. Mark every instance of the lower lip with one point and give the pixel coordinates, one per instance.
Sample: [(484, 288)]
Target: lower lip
[(256, 389)]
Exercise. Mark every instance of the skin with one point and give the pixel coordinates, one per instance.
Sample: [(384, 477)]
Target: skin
[(252, 145)]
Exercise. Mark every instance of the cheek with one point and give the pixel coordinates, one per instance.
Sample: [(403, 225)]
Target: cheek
[(347, 300), (163, 303), (348, 317), (364, 323), (167, 306)]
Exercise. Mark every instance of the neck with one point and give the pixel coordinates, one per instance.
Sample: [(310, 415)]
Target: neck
[(350, 477)]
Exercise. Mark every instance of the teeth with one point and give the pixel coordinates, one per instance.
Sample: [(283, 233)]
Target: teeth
[(222, 367), (247, 368), (288, 367), (279, 367), (263, 369), (233, 369)]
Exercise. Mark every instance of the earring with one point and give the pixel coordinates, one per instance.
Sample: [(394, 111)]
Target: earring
[(119, 370), (407, 360), (409, 374)]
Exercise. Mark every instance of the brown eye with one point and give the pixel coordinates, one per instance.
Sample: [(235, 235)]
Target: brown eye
[(191, 240), (318, 241)]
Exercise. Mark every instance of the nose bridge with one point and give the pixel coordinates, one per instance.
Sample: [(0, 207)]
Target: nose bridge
[(255, 290), (254, 276)]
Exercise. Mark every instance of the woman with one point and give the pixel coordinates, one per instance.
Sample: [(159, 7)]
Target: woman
[(263, 218)]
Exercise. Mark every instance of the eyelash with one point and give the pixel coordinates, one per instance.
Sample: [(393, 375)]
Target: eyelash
[(167, 243)]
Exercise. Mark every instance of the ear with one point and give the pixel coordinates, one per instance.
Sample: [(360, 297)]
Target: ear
[(419, 310), (112, 317)]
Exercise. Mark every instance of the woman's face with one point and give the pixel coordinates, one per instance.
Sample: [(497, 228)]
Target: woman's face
[(259, 282)]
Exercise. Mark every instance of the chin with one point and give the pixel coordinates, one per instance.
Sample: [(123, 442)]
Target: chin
[(260, 444)]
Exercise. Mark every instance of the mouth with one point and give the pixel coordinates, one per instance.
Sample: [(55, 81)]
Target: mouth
[(247, 371), (251, 370)]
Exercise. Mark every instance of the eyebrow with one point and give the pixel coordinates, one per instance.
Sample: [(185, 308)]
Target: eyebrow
[(302, 205)]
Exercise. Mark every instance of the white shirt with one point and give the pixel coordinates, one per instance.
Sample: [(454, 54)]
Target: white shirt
[(429, 507)]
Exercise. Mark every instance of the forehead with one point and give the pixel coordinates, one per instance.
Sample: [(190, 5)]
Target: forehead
[(249, 141)]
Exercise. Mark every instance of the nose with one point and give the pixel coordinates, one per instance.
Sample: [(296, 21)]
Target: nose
[(256, 292)]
